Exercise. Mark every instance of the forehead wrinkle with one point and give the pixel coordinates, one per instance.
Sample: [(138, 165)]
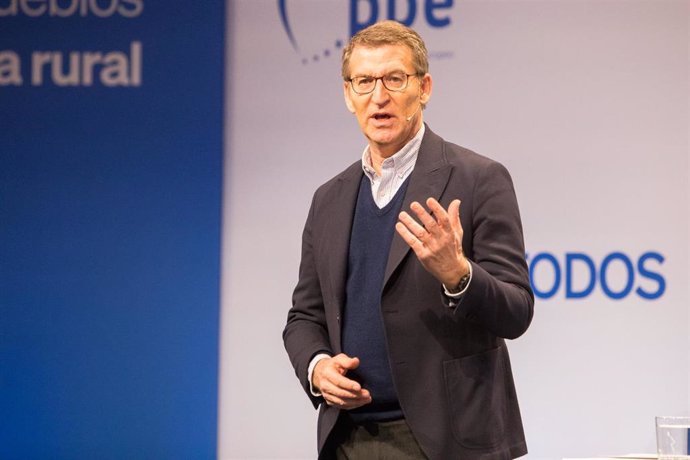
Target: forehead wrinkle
[(379, 61)]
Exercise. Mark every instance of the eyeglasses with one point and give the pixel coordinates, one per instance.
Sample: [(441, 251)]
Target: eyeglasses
[(395, 81)]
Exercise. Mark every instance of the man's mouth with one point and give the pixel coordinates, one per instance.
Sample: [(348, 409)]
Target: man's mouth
[(381, 116)]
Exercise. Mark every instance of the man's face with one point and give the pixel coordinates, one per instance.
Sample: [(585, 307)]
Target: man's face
[(382, 114)]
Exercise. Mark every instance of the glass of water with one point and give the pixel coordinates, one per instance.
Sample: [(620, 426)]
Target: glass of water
[(673, 438)]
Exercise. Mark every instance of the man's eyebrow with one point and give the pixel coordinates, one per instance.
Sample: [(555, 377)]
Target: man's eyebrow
[(382, 75)]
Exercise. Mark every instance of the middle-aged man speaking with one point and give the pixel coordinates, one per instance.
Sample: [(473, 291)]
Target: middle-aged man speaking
[(404, 297)]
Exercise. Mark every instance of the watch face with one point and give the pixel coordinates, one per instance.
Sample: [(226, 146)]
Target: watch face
[(463, 281)]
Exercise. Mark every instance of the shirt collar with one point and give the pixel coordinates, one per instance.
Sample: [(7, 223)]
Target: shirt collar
[(400, 161)]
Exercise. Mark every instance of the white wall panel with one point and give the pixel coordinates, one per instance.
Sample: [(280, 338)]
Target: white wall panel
[(586, 103)]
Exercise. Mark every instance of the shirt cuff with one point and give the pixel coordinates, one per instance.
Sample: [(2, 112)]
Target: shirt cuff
[(310, 371), (458, 295)]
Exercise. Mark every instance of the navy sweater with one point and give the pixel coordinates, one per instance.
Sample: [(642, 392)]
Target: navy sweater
[(363, 334)]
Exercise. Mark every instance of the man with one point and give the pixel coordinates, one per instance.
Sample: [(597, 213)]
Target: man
[(404, 300)]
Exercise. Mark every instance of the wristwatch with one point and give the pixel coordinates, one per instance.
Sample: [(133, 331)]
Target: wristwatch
[(463, 283)]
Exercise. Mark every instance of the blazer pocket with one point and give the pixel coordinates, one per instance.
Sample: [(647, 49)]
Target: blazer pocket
[(476, 393)]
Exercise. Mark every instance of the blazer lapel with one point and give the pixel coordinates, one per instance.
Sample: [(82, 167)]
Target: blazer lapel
[(428, 179), (337, 242)]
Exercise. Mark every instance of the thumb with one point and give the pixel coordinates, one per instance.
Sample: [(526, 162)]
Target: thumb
[(347, 362)]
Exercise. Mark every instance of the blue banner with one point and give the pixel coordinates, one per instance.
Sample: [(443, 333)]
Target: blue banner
[(110, 211)]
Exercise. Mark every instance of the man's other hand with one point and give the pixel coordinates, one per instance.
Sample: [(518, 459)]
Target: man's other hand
[(339, 391)]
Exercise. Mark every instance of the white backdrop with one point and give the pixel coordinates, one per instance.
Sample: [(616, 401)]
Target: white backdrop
[(588, 105)]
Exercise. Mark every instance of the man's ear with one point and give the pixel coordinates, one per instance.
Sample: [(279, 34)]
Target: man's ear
[(348, 97), (425, 87)]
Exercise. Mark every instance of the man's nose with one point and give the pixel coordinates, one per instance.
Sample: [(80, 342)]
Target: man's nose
[(380, 95)]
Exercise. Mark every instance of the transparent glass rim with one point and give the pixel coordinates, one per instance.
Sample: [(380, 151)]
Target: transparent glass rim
[(672, 417)]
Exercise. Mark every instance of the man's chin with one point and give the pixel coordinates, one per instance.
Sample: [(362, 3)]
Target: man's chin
[(382, 136)]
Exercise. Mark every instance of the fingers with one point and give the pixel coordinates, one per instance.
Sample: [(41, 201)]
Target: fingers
[(336, 389), (454, 216), (442, 217), (412, 226), (434, 221), (410, 238), (330, 373), (347, 402), (427, 220), (435, 224), (346, 362), (436, 239)]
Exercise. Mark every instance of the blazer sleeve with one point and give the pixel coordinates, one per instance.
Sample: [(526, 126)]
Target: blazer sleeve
[(305, 334), (499, 297)]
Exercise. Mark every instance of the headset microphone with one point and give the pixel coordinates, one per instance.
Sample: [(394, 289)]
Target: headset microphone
[(415, 112)]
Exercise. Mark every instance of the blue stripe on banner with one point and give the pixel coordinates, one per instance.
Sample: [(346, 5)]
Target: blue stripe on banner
[(110, 198)]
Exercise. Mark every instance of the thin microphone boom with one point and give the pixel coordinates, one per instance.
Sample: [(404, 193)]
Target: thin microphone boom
[(415, 112)]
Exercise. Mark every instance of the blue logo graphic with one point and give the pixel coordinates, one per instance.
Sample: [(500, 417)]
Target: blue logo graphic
[(578, 275), (360, 14)]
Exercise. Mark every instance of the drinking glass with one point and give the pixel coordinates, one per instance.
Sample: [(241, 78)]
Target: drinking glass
[(673, 438)]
